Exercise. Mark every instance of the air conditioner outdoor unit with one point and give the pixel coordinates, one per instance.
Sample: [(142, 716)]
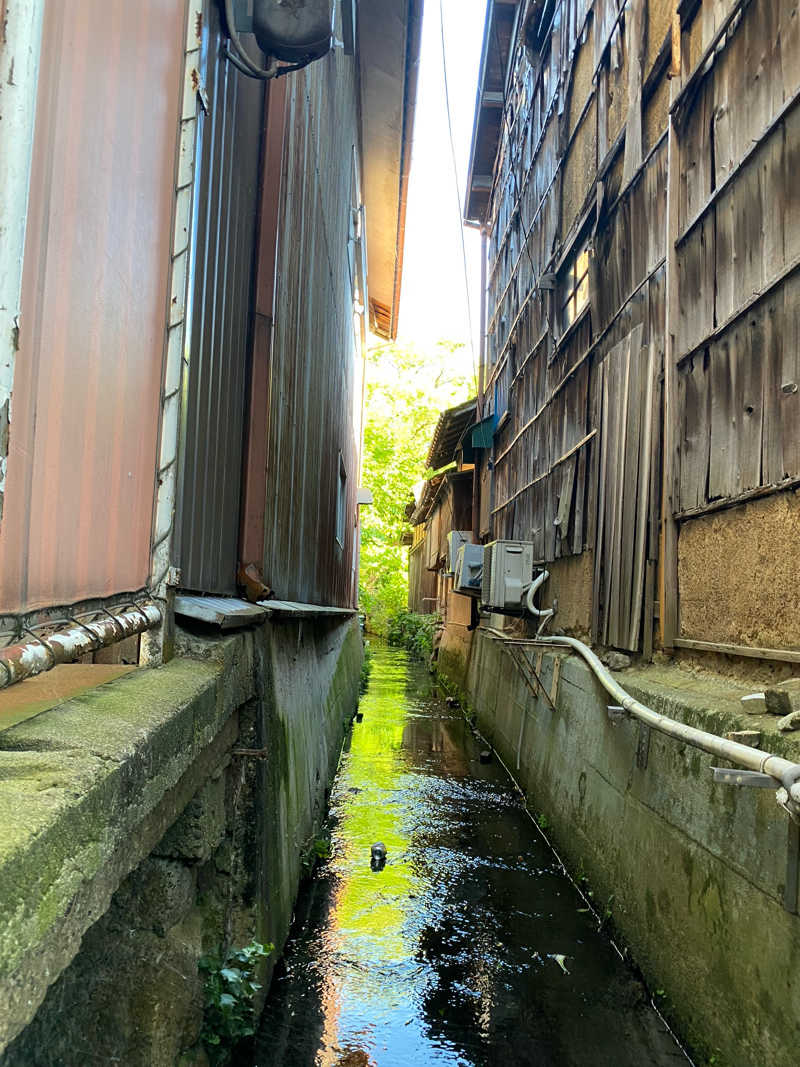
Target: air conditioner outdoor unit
[(469, 570), (507, 570), (455, 539)]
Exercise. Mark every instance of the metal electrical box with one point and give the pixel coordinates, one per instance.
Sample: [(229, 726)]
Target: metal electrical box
[(469, 570), (293, 30), (507, 570)]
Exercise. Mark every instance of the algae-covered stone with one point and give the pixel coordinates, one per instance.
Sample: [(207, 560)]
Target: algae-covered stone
[(200, 829), (157, 895)]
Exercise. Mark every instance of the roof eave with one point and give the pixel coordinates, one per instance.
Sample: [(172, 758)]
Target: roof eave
[(388, 94)]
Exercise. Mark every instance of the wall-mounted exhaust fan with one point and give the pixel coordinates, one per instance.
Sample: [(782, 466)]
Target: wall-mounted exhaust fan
[(295, 32)]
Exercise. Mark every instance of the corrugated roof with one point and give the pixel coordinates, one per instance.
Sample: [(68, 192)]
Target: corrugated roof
[(449, 431)]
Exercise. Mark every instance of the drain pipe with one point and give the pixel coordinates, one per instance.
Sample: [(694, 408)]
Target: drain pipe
[(533, 588), (782, 771), (38, 654)]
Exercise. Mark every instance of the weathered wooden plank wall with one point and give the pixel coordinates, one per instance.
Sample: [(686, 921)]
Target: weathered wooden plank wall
[(574, 375), (736, 238), (581, 169)]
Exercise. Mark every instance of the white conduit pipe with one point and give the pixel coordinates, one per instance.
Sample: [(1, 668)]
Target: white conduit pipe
[(38, 654), (785, 773), (533, 588)]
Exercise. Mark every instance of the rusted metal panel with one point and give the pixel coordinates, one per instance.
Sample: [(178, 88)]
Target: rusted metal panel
[(82, 456), (220, 315)]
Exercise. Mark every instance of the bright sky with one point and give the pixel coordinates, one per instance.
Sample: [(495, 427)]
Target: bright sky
[(433, 303)]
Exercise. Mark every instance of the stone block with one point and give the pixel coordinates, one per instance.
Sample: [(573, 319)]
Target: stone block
[(157, 895), (200, 828)]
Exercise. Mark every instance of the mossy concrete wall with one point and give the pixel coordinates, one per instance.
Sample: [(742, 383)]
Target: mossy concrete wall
[(692, 873), (156, 819)]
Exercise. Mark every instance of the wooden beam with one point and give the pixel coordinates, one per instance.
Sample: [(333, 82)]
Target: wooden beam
[(668, 570), (786, 655)]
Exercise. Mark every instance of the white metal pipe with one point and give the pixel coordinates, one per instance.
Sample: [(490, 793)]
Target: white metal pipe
[(785, 773), (38, 654)]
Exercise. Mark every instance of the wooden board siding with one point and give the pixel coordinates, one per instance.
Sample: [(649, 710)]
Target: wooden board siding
[(737, 253), (574, 456), (591, 128)]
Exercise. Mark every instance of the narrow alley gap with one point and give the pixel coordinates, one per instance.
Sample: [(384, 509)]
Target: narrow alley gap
[(470, 946)]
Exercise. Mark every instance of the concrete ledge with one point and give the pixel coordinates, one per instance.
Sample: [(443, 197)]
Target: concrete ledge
[(87, 790)]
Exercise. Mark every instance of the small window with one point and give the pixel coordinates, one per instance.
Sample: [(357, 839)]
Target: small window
[(341, 503), (575, 287)]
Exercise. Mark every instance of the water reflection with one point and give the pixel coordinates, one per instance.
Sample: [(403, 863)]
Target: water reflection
[(469, 947)]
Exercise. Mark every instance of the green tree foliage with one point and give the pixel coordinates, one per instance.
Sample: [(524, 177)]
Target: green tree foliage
[(406, 389)]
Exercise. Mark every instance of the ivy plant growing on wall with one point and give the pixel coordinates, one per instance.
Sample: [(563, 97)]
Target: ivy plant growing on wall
[(229, 995)]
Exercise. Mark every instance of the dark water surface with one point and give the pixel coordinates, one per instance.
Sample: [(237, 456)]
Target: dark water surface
[(470, 947)]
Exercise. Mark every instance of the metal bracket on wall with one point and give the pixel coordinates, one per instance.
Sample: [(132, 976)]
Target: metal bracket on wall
[(530, 674), (616, 714), (756, 780)]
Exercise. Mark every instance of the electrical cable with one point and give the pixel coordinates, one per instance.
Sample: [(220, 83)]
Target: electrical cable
[(242, 60), (235, 52), (458, 195)]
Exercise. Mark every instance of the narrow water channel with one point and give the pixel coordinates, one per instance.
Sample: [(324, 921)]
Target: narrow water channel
[(470, 947)]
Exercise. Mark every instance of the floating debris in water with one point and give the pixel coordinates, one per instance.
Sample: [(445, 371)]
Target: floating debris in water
[(377, 856), (560, 960)]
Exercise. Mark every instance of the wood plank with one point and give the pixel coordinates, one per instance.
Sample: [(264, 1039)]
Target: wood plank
[(600, 482), (610, 547), (226, 612), (643, 498), (635, 46), (578, 539), (695, 395), (748, 410), (790, 378), (629, 487), (596, 409), (772, 467), (565, 500), (783, 654), (724, 442), (668, 573)]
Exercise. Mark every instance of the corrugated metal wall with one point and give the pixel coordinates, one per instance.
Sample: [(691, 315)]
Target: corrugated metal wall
[(84, 430), (312, 392), (220, 317)]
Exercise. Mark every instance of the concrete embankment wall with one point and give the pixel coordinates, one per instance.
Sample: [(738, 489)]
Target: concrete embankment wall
[(152, 821), (692, 873)]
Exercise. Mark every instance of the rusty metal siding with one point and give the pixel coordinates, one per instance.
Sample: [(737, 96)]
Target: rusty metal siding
[(220, 320), (84, 430), (313, 367)]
